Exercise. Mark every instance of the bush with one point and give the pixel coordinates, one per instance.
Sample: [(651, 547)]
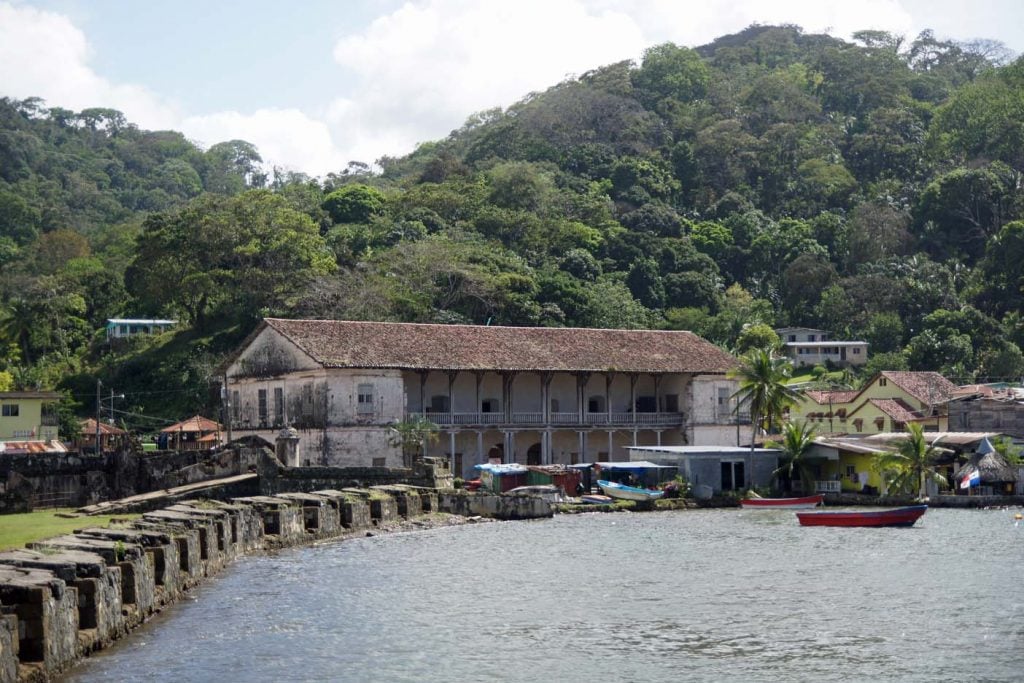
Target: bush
[(458, 482)]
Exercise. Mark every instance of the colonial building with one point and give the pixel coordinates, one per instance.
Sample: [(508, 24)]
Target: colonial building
[(886, 403), (809, 346), (525, 395), (28, 415)]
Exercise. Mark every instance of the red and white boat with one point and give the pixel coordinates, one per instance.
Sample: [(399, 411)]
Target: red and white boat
[(904, 516), (804, 503)]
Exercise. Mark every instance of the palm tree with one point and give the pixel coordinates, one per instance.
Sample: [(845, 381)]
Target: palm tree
[(17, 321), (763, 388), (797, 440), (412, 436), (912, 465)]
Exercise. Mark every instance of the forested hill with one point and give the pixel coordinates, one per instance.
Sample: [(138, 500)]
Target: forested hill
[(769, 178)]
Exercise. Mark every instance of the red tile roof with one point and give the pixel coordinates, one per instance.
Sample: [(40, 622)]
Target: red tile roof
[(196, 423), (822, 397), (344, 344), (897, 409), (929, 388), (89, 428)]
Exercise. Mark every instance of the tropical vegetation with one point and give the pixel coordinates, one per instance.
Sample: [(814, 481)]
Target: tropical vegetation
[(772, 177), (911, 464), (797, 440)]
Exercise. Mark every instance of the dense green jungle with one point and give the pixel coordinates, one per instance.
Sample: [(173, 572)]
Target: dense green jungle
[(772, 177)]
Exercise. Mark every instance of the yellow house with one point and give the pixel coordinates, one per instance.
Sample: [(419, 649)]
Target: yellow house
[(886, 403), (28, 415), (846, 465)]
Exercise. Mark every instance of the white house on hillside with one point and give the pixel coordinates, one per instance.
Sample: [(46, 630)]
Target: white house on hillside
[(525, 395), (808, 346)]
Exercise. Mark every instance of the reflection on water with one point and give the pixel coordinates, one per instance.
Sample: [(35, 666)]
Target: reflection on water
[(685, 596)]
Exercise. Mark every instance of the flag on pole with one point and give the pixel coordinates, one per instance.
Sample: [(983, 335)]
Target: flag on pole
[(972, 477)]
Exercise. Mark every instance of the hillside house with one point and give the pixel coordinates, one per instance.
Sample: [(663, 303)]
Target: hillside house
[(809, 346), (886, 403), (125, 328), (514, 395), (28, 415)]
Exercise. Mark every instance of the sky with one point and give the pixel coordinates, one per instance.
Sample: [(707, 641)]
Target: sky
[(315, 84)]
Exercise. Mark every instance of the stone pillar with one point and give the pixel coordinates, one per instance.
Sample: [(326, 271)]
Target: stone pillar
[(286, 446), (658, 433), (480, 447), (611, 444), (451, 453)]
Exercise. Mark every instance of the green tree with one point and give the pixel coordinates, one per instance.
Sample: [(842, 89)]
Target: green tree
[(354, 203), (912, 465), (758, 336), (670, 71), (797, 440), (252, 252)]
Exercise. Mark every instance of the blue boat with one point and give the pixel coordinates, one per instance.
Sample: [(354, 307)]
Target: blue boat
[(623, 492)]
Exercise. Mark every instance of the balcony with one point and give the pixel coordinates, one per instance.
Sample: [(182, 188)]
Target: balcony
[(567, 420)]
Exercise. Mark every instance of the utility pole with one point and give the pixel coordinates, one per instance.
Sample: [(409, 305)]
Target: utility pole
[(99, 407)]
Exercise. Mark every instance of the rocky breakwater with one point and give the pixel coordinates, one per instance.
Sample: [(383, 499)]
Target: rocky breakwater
[(64, 597)]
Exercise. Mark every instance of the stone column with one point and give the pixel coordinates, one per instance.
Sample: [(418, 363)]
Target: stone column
[(608, 379), (286, 447), (611, 443), (480, 447)]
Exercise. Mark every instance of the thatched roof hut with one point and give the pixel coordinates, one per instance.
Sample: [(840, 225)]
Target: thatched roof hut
[(993, 468)]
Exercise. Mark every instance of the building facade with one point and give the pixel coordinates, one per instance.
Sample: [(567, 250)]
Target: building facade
[(499, 394), (886, 403), (28, 415), (809, 346)]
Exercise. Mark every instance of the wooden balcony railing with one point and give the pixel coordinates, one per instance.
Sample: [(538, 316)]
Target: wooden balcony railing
[(555, 419)]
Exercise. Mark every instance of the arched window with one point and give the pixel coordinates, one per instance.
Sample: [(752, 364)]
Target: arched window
[(596, 404)]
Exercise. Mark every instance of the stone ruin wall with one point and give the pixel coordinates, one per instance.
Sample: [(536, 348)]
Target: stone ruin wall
[(64, 597)]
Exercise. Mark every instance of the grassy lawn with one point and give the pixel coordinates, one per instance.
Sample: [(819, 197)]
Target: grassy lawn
[(19, 529), (836, 376)]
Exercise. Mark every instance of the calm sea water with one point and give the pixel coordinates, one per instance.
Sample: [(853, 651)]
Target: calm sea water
[(678, 596)]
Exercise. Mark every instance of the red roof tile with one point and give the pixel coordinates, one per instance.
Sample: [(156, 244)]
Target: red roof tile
[(822, 397), (196, 423), (344, 344), (929, 388), (88, 427), (896, 408)]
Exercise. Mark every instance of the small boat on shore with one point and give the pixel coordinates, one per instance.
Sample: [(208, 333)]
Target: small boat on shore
[(596, 499), (623, 492), (805, 502), (904, 517)]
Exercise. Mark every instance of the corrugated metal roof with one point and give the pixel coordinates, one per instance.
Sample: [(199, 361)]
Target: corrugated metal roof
[(947, 438)]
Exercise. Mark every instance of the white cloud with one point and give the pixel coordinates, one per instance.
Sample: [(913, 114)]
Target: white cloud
[(44, 55), (417, 72), (284, 137), (425, 67)]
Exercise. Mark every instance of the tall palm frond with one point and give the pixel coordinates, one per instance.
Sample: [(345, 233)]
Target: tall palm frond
[(797, 440), (911, 466), (763, 388)]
